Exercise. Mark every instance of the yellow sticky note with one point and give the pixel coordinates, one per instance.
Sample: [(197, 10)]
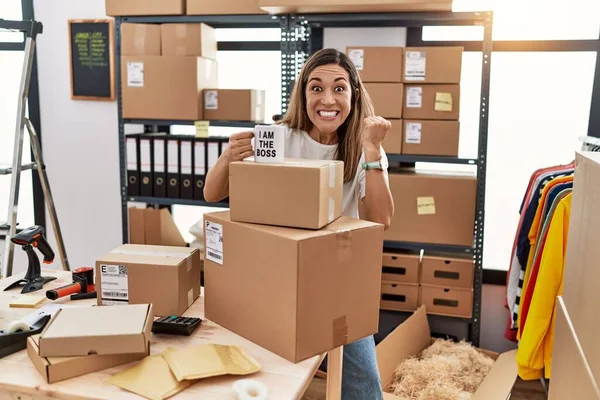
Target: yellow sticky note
[(443, 101), (425, 205), (202, 128), (27, 301)]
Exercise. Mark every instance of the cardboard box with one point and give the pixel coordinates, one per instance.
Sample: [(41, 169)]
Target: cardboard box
[(82, 331), (452, 301), (447, 271), (432, 102), (189, 40), (234, 105), (431, 138), (413, 336), (433, 64), (351, 6), (140, 39), (368, 62), (399, 267), (55, 369), (145, 7), (392, 144), (387, 98), (298, 193), (571, 373), (168, 277), (433, 207), (224, 7), (165, 87), (155, 227), (399, 296), (302, 292)]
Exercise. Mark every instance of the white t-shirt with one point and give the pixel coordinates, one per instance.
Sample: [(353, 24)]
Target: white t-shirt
[(299, 144)]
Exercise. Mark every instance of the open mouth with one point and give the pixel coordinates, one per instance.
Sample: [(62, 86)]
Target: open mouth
[(328, 114)]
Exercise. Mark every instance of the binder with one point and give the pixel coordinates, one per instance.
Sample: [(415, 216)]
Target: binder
[(186, 165), (173, 175), (132, 157), (199, 168), (159, 155), (146, 181), (213, 153)]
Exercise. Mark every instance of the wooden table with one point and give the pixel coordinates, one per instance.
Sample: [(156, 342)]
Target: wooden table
[(19, 380)]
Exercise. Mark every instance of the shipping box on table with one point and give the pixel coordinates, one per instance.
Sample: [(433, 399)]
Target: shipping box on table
[(298, 193), (145, 7), (140, 39), (447, 271), (431, 138), (165, 87), (188, 40), (224, 7), (82, 331), (166, 276), (55, 369), (154, 226), (349, 6), (234, 105), (377, 64), (432, 64), (413, 336), (392, 143), (295, 292), (431, 102), (387, 98)]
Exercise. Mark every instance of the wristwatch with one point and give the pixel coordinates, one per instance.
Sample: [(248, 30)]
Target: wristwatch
[(379, 164)]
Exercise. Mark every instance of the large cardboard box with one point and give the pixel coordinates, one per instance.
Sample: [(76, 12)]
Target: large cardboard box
[(154, 226), (225, 7), (234, 105), (447, 271), (432, 102), (165, 87), (399, 267), (298, 193), (189, 40), (295, 292), (392, 144), (368, 62), (431, 138), (140, 39), (145, 7), (452, 301), (433, 207), (350, 6), (81, 331), (387, 98), (414, 335), (55, 369), (166, 276), (433, 64), (571, 373)]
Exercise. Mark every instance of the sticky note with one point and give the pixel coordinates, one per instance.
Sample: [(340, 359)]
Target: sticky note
[(202, 128), (443, 101), (27, 301), (425, 205)]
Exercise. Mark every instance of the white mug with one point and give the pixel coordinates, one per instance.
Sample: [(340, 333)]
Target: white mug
[(269, 143)]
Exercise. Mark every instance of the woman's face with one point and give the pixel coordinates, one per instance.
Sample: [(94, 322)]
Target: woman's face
[(328, 97)]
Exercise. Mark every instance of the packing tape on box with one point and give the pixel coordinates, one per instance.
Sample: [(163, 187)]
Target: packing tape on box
[(250, 389), (340, 331), (157, 254), (344, 245), (139, 39)]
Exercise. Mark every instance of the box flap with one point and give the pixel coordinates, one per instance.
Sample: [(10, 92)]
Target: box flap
[(499, 382), (133, 258), (290, 162)]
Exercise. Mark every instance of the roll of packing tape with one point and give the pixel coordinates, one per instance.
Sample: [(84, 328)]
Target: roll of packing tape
[(17, 326), (249, 389)]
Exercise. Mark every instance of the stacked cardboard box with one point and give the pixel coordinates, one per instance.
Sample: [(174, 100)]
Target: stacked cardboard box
[(182, 7)]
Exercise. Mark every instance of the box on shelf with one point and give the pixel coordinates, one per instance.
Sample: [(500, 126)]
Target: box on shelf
[(302, 292), (399, 267), (392, 144), (234, 105), (166, 276), (144, 7), (399, 296), (352, 6), (165, 87), (433, 64), (431, 138), (298, 193), (140, 39), (377, 64), (154, 226), (447, 271), (451, 301), (387, 98), (225, 7), (431, 101), (81, 331), (189, 40), (433, 207)]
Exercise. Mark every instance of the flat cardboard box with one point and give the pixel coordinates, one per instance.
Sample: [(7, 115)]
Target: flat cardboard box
[(399, 296), (154, 226), (387, 98), (392, 143), (82, 331), (144, 7), (581, 274), (450, 301), (55, 369), (165, 87), (234, 105), (297, 194), (352, 6), (433, 64), (571, 373), (140, 39), (433, 207), (431, 138), (223, 7), (166, 276), (368, 62), (413, 336), (447, 271), (189, 40), (399, 267), (302, 292), (430, 101)]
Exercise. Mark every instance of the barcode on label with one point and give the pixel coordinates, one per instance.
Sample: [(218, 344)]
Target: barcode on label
[(215, 255), (114, 294)]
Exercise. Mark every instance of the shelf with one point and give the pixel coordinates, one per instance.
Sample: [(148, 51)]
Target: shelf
[(441, 248), (409, 313), (405, 158), (216, 21), (407, 19), (165, 122), (171, 202)]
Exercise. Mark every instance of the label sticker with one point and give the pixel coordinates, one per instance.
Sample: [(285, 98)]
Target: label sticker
[(135, 74), (332, 175), (414, 97), (414, 69), (413, 133), (357, 56), (425, 205), (114, 283), (214, 242), (443, 101), (211, 100)]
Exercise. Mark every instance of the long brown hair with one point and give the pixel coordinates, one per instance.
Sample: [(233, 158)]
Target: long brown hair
[(350, 132)]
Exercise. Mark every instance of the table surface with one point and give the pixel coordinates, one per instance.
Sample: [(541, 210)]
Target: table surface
[(284, 379)]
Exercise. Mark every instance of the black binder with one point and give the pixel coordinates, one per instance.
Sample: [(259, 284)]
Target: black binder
[(173, 174), (146, 181), (199, 167), (159, 172), (186, 150), (132, 157)]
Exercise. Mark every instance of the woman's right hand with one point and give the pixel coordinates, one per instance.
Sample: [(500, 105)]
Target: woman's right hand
[(240, 146)]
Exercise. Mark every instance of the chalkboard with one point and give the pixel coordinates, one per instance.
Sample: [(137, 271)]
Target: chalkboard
[(91, 48)]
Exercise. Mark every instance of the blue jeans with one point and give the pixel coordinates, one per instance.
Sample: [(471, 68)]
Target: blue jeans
[(360, 375)]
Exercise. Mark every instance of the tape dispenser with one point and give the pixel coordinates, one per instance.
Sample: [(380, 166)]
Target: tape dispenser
[(14, 337)]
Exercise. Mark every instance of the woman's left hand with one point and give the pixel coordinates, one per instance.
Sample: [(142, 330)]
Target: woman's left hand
[(374, 131)]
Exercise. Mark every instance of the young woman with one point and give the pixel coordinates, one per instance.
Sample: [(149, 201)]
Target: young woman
[(331, 116)]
